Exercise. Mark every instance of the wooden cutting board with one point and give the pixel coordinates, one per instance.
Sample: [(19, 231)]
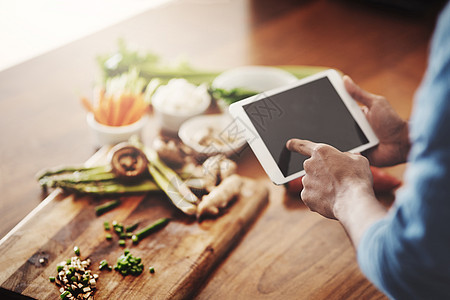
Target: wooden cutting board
[(184, 253)]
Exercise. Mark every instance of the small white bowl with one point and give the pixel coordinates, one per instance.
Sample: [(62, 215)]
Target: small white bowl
[(170, 120), (222, 126), (111, 135), (253, 78)]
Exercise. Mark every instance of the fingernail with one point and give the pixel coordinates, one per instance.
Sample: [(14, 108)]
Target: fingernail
[(287, 143), (348, 78)]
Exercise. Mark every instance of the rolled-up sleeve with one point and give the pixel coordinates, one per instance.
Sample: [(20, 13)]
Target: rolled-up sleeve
[(407, 254)]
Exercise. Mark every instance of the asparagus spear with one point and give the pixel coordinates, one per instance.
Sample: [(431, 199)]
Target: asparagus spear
[(169, 181), (109, 187), (71, 170), (50, 178), (76, 178), (172, 182), (93, 180), (177, 199)]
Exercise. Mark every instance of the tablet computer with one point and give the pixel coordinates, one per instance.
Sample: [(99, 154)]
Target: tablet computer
[(317, 108)]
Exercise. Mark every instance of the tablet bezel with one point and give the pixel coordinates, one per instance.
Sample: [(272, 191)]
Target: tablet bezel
[(257, 144)]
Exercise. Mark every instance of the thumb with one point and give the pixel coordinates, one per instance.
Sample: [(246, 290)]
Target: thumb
[(357, 92)]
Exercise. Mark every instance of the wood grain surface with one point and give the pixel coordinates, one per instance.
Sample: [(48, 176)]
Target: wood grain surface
[(183, 253), (289, 253)]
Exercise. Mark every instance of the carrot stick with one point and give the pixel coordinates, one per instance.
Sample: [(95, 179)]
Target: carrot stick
[(87, 104), (114, 110), (101, 110), (100, 115), (136, 109), (100, 99), (139, 112), (126, 102), (111, 108)]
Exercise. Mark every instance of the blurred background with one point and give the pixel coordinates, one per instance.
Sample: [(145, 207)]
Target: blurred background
[(29, 28)]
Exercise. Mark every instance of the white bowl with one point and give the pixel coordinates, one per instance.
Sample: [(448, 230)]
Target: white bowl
[(170, 119), (222, 126), (110, 135), (253, 78), (171, 122)]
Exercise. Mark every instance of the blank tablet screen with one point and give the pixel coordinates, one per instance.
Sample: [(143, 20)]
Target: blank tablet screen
[(313, 111)]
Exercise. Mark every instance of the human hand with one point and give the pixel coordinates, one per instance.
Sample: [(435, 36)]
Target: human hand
[(390, 129), (332, 177)]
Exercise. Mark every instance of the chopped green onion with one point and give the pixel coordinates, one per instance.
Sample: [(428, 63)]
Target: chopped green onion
[(52, 279), (150, 229), (122, 243), (132, 227), (127, 264), (101, 209), (108, 236), (64, 295), (118, 228), (104, 265), (135, 239), (59, 268), (76, 250), (152, 270), (106, 225)]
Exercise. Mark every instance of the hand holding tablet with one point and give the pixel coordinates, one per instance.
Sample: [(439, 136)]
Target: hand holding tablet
[(317, 108)]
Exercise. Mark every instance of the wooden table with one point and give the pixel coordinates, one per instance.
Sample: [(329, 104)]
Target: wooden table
[(289, 253)]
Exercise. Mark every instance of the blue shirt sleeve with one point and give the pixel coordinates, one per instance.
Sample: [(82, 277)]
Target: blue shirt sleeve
[(407, 254)]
